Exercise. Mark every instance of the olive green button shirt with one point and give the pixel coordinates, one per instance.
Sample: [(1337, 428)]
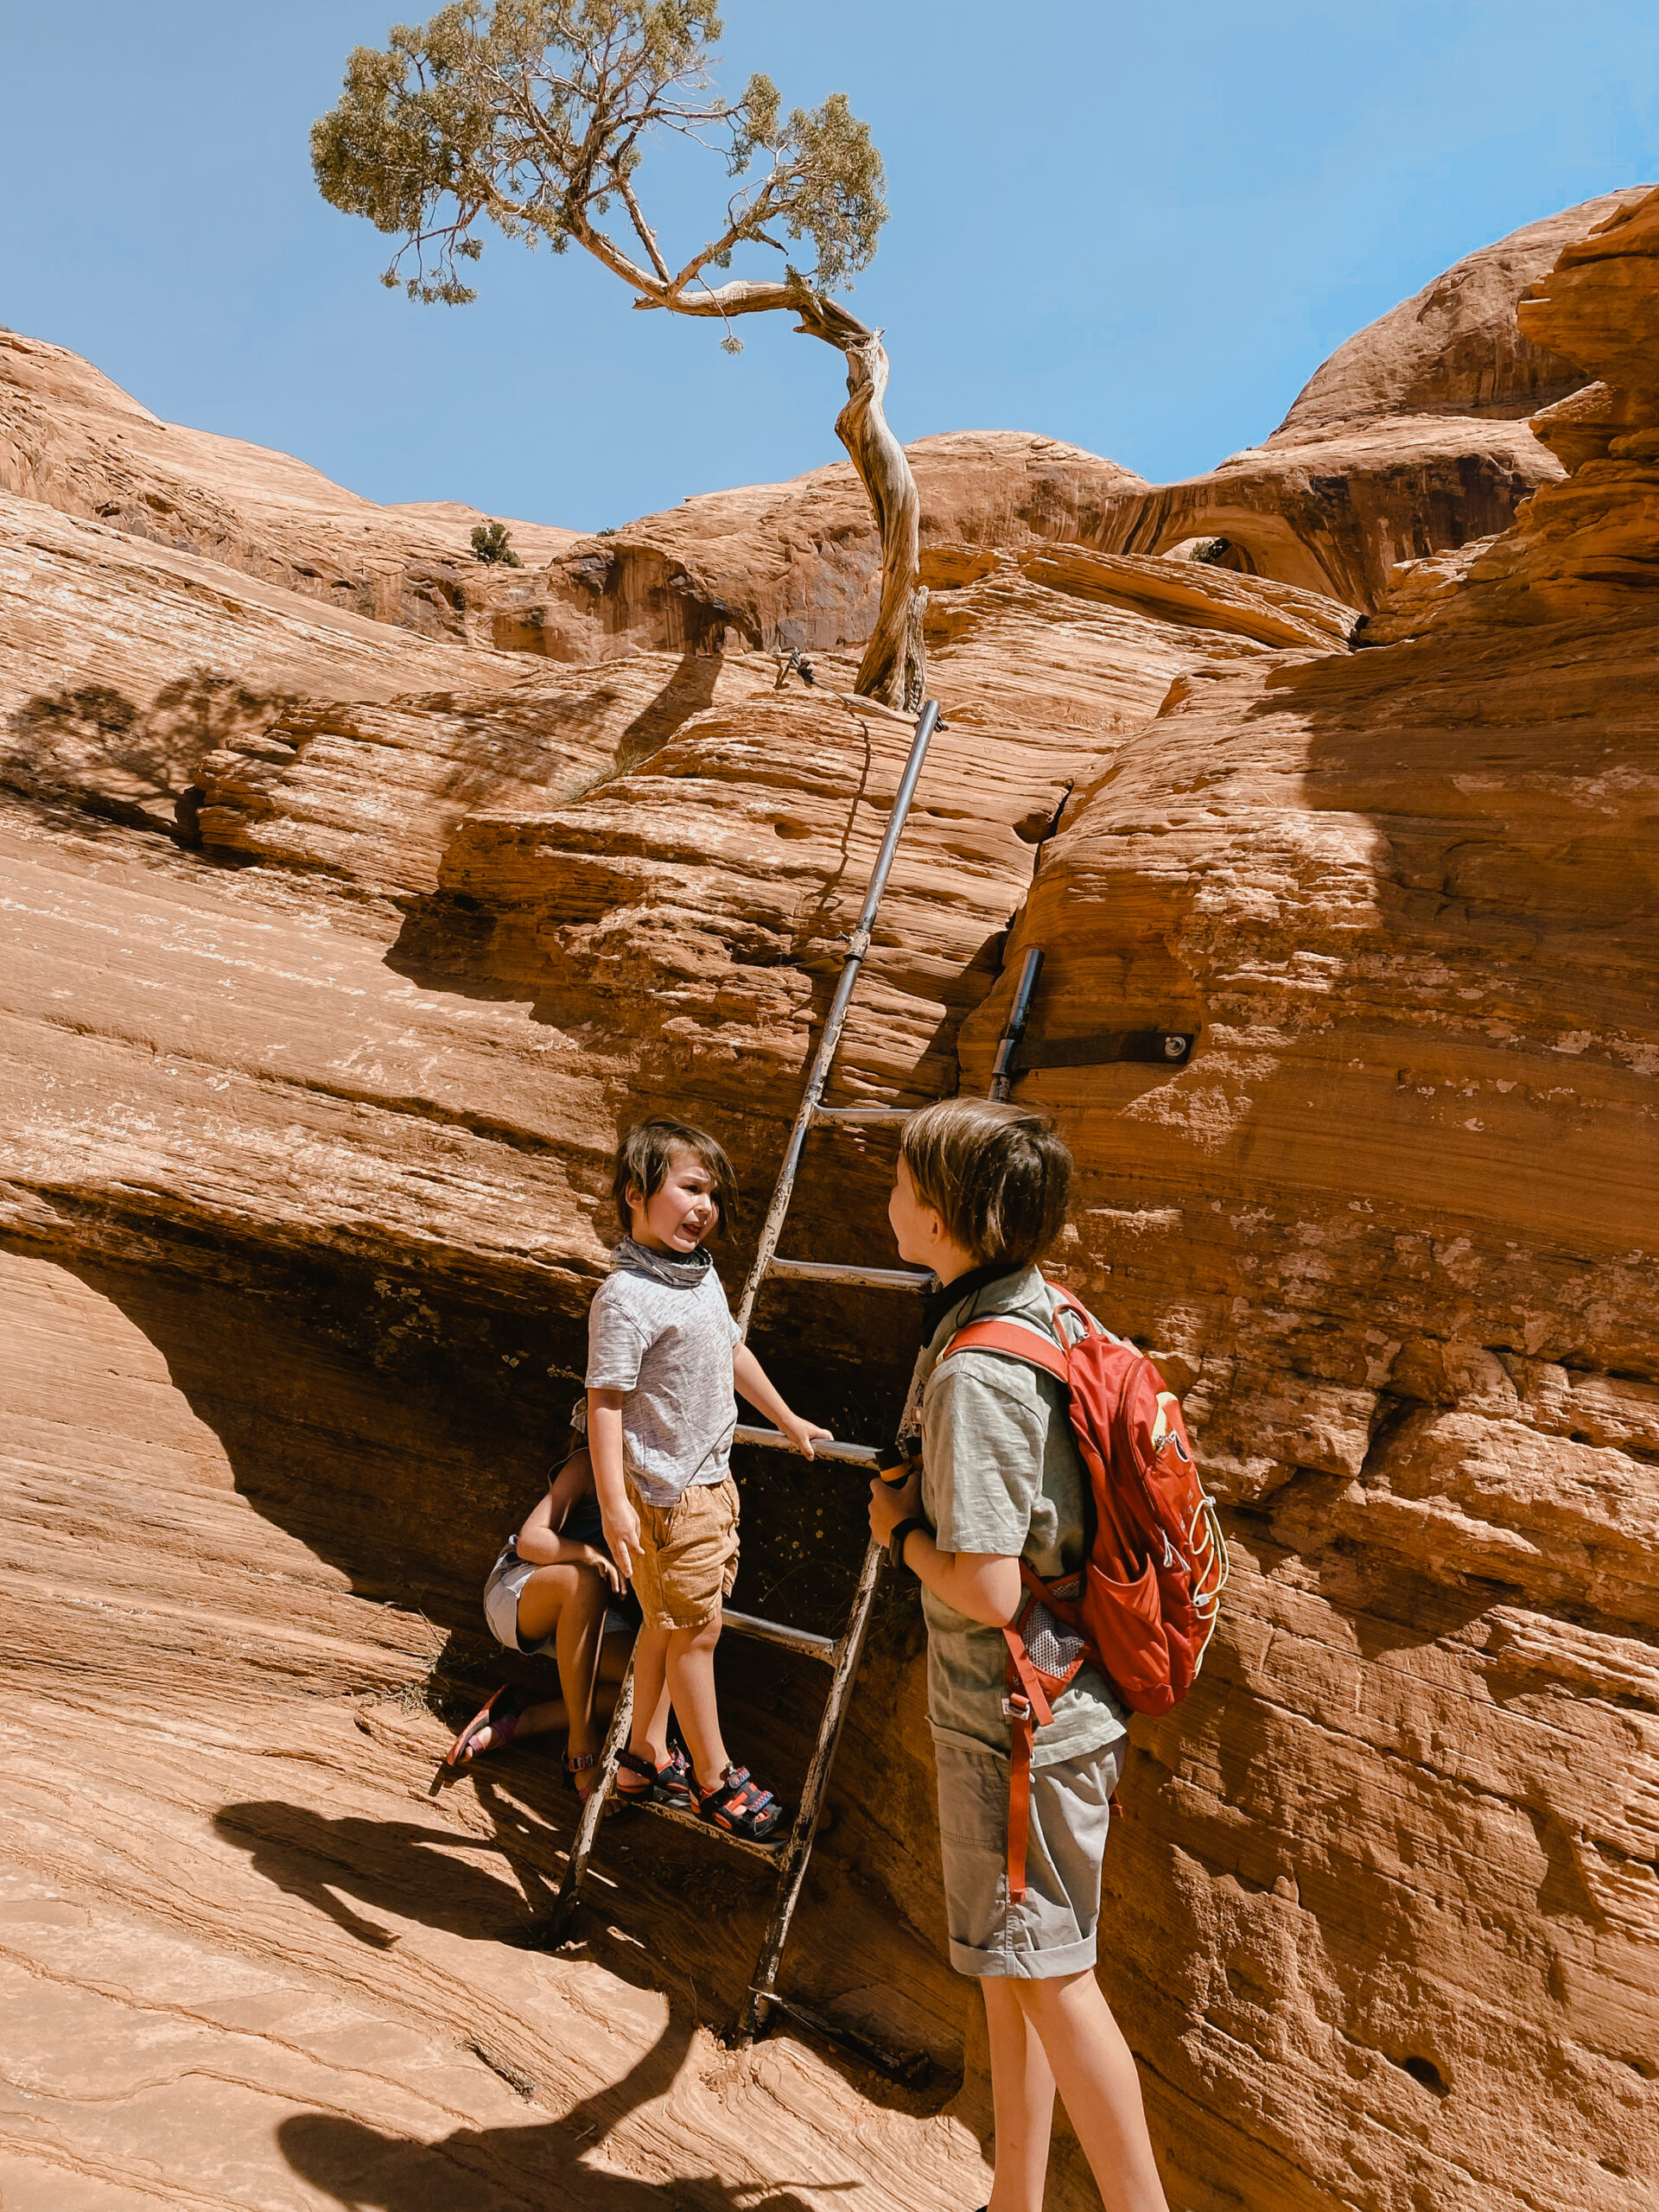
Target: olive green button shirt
[(1001, 1474)]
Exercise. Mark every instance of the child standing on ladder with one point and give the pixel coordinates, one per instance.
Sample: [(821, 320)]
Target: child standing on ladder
[(664, 1359), (980, 1195)]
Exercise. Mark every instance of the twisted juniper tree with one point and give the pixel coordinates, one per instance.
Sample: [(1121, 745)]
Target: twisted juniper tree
[(534, 115)]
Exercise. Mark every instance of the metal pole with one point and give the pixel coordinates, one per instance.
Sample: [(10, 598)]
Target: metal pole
[(752, 2020), (858, 945), (1002, 1074)]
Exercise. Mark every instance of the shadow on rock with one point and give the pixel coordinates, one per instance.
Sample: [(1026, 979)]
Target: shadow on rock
[(405, 1867), (344, 1427), (497, 2168), (687, 691), (133, 764), (494, 2170)]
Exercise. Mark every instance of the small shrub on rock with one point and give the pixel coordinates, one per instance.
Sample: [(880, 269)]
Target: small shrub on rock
[(492, 541)]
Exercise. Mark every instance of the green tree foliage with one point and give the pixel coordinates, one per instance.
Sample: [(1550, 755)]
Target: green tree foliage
[(532, 115), (492, 541)]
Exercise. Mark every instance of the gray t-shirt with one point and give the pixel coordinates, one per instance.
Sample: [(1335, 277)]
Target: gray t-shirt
[(659, 1329), (1001, 1474)]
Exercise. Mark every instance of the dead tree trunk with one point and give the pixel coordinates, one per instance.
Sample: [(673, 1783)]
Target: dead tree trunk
[(894, 667)]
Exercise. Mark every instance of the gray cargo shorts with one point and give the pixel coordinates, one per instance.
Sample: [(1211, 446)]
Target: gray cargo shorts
[(1051, 1930)]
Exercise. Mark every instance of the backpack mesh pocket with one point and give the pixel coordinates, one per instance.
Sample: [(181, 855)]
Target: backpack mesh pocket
[(1054, 1647)]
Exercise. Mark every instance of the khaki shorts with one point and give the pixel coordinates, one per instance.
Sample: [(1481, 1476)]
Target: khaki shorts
[(688, 1554)]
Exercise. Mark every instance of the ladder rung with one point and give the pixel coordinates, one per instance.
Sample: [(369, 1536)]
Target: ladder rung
[(834, 1271), (855, 1455), (792, 1639), (865, 1113), (770, 1849)]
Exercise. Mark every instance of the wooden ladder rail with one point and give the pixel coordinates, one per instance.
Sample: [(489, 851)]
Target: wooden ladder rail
[(843, 1653), (761, 1996)]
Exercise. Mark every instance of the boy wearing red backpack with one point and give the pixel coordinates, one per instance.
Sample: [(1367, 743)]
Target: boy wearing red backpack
[(980, 1195)]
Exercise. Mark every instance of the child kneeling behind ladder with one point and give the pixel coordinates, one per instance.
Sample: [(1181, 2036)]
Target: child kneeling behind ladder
[(980, 1195), (663, 1360)]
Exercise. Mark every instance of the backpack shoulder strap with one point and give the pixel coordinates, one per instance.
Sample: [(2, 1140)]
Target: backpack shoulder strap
[(1018, 1338), (1066, 1304)]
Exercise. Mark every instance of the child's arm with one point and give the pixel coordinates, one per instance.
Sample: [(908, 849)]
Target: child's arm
[(541, 1543), (986, 1585), (750, 1377), (605, 1448)]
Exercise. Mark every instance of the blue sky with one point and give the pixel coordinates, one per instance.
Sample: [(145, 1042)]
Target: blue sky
[(1137, 229)]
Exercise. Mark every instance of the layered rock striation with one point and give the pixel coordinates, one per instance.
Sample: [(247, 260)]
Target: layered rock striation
[(1411, 439), (337, 955), (1394, 1227), (797, 564), (70, 439)]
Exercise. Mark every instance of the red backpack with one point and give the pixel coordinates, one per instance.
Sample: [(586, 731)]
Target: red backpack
[(1145, 1604)]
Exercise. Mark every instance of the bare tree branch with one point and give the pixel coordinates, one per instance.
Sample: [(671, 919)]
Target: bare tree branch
[(647, 236)]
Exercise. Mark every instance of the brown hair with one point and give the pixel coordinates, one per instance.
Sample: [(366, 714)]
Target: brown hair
[(646, 1155), (997, 1176)]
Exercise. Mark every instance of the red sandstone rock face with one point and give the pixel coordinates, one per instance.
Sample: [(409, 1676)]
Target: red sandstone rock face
[(72, 440), (1454, 348), (797, 564), (1394, 1227), (1335, 508), (302, 1192), (1379, 462), (1407, 442)]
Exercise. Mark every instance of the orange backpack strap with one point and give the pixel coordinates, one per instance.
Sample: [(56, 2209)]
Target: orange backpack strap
[(1018, 1806), (1028, 1709), (1018, 1337)]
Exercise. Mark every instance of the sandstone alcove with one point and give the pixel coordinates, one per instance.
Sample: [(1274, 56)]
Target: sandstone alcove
[(307, 1140)]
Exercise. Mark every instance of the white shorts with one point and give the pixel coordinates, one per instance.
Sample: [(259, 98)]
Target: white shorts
[(506, 1580)]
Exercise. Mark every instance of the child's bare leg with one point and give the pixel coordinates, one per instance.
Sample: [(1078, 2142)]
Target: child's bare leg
[(1094, 2071), (691, 1685), (1022, 2097), (566, 1603), (580, 1632), (542, 1718), (657, 1726), (539, 1719), (648, 1738), (548, 1593)]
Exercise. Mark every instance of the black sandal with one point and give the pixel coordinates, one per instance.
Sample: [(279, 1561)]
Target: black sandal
[(583, 1763), (738, 1805), (668, 1785)]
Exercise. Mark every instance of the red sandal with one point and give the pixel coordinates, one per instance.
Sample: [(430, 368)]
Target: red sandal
[(583, 1763), (502, 1723), (738, 1805)]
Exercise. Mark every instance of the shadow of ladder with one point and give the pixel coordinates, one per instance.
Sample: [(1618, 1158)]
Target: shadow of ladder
[(841, 1654)]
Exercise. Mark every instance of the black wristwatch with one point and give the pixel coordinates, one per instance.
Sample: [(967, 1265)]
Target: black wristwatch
[(896, 1540)]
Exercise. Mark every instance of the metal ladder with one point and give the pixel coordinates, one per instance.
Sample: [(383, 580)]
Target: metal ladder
[(840, 1654)]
